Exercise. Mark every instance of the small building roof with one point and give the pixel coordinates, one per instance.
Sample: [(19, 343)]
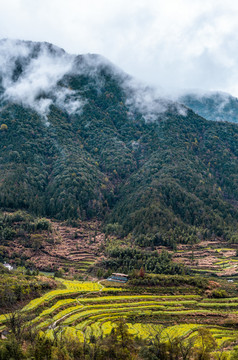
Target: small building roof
[(118, 274)]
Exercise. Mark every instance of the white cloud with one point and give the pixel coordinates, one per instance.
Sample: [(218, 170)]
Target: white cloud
[(148, 101), (30, 76), (177, 43)]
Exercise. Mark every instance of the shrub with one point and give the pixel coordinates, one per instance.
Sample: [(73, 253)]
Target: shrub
[(43, 224), (219, 293)]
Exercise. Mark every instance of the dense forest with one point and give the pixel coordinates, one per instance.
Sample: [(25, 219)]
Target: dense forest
[(161, 177), (130, 259)]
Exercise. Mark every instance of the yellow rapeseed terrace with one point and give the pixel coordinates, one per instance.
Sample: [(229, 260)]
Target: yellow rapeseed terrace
[(82, 309)]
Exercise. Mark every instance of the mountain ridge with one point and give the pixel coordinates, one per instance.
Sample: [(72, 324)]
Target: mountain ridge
[(94, 145)]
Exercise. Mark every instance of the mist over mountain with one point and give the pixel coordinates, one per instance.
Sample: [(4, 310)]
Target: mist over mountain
[(35, 75), (217, 106), (82, 139), (30, 74)]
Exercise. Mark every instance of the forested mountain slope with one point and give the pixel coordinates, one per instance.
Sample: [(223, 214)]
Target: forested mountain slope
[(80, 140), (216, 106)]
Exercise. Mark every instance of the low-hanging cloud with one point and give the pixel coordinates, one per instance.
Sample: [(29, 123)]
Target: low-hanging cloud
[(149, 102), (30, 75), (35, 75), (177, 44)]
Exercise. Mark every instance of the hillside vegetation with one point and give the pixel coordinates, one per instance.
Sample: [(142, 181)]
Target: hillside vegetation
[(164, 176)]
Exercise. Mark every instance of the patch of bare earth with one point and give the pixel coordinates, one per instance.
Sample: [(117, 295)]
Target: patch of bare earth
[(72, 248), (215, 256), (229, 271)]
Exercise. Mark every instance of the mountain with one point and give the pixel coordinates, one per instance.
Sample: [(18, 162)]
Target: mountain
[(81, 139), (216, 106)]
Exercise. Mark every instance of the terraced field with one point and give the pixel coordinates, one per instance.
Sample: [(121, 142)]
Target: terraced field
[(81, 309), (209, 257), (73, 249)]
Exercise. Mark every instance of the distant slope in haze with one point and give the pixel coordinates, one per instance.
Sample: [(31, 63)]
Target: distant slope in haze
[(216, 106)]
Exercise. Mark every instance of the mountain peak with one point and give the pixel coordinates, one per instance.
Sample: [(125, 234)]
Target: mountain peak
[(35, 75)]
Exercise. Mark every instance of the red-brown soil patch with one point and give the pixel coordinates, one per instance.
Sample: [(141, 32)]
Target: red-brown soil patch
[(67, 247)]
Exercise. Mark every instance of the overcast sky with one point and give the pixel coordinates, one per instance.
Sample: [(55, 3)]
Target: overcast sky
[(171, 44)]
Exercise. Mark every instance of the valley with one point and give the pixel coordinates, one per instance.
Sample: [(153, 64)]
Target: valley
[(172, 308), (99, 175)]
